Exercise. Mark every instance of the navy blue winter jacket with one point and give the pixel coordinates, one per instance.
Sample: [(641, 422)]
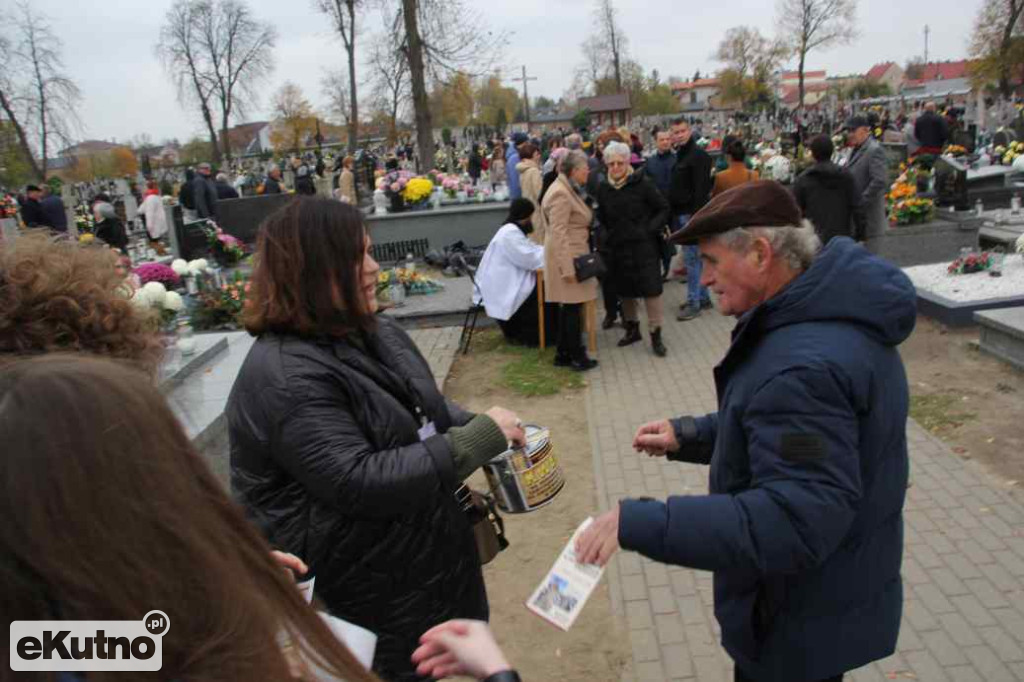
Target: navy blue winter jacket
[(803, 526)]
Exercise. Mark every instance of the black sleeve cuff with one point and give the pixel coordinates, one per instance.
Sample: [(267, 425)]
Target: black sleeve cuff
[(504, 676)]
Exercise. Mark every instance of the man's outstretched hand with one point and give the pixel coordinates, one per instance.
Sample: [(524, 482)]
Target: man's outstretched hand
[(656, 439), (600, 540)]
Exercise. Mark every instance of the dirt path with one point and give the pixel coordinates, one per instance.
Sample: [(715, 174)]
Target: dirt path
[(597, 648), (969, 399)]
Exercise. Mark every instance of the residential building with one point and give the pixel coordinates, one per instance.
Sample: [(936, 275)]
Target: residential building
[(608, 110), (889, 73), (697, 95)]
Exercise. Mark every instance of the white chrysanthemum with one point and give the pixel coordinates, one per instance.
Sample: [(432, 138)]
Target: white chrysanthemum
[(197, 266), (140, 299), (173, 301), (155, 292), (180, 267)]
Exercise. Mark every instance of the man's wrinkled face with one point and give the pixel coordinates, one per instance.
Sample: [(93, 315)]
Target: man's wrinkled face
[(664, 142), (737, 278)]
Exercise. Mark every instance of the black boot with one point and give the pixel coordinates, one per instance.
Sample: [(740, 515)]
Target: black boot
[(581, 362), (632, 334), (656, 343), (609, 321)]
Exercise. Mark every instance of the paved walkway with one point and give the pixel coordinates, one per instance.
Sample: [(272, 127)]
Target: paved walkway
[(439, 346), (964, 558)]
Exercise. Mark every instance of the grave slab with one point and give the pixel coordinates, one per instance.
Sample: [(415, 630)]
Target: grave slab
[(953, 299), (1002, 334)]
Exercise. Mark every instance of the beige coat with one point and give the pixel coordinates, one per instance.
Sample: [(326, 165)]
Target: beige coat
[(568, 231), (532, 182), (347, 186)]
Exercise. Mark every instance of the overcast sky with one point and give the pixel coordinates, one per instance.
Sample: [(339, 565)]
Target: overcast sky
[(108, 47)]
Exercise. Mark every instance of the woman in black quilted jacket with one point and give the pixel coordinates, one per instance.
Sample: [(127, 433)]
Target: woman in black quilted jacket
[(343, 450)]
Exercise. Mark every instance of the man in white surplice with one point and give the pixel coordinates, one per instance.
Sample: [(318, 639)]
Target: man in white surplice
[(506, 279)]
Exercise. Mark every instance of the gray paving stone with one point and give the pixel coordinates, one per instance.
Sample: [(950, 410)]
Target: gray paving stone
[(670, 629), (677, 660), (633, 587), (663, 600), (924, 666), (645, 645), (1008, 650)]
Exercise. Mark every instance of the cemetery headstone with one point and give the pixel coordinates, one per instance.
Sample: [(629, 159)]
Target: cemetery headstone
[(951, 183)]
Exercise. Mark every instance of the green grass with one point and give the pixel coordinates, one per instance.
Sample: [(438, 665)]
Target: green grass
[(939, 412), (526, 371)]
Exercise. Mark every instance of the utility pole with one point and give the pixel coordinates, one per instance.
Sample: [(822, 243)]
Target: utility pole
[(926, 31), (526, 94)]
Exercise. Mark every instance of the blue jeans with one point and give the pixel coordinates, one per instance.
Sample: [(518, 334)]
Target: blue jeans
[(695, 293)]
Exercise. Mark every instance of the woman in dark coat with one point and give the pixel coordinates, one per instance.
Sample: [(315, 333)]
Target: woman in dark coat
[(475, 165), (633, 215), (109, 227), (342, 449)]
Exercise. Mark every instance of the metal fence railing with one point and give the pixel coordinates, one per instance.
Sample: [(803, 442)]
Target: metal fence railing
[(392, 252)]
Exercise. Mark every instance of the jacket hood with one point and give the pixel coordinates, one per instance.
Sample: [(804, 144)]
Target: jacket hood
[(848, 284), (827, 174), (524, 165)]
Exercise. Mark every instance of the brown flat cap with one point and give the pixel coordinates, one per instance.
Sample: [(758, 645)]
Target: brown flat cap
[(764, 203)]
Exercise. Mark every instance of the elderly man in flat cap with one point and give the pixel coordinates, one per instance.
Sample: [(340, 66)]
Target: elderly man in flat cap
[(803, 526)]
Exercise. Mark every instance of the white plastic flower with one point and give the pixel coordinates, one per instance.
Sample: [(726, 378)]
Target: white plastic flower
[(173, 301), (197, 266), (155, 292), (180, 267)]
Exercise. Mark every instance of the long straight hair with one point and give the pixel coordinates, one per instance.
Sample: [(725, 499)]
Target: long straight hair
[(108, 513)]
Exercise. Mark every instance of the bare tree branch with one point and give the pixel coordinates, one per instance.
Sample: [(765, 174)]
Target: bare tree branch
[(811, 24), (342, 14), (187, 64), (49, 97), (240, 50)]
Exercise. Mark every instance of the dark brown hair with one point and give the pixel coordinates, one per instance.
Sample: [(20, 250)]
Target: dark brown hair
[(56, 295), (308, 275), (110, 513), (526, 150)]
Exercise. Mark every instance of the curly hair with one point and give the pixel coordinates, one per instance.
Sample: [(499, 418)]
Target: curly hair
[(56, 295)]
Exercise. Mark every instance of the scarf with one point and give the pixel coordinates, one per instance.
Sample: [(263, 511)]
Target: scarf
[(620, 183)]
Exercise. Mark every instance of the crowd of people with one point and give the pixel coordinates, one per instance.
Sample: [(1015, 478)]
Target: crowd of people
[(346, 460), (610, 199)]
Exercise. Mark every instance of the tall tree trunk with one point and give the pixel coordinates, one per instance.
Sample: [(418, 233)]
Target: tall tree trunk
[(23, 144), (214, 143), (353, 123), (224, 127), (420, 101), (800, 80)]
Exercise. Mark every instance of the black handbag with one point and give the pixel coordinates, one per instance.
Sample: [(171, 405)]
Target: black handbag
[(488, 526), (588, 265)]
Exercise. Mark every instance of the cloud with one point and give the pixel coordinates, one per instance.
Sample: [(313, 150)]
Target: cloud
[(108, 47)]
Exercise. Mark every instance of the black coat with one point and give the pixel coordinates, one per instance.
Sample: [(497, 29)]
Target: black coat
[(632, 221), (827, 194), (226, 191), (691, 179), (204, 193), (326, 458), (56, 216), (32, 213), (113, 233), (931, 130)]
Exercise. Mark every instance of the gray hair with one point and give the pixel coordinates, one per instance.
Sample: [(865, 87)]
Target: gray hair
[(574, 141), (222, 177), (105, 210), (574, 159), (799, 246), (619, 149)]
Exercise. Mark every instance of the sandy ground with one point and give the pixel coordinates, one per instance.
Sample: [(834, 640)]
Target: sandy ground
[(597, 647), (989, 395)]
